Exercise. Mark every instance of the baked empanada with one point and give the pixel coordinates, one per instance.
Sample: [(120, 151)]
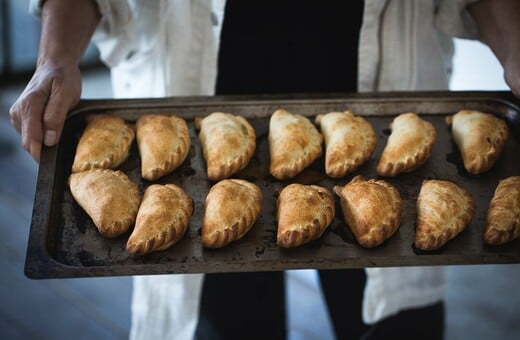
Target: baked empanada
[(443, 211), (104, 144), (294, 143), (349, 141), (109, 197), (228, 143), (162, 219), (303, 214), (164, 143), (372, 209), (409, 146), (480, 138), (232, 207), (503, 216)]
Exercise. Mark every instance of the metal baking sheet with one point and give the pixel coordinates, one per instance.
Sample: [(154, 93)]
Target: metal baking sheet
[(63, 241)]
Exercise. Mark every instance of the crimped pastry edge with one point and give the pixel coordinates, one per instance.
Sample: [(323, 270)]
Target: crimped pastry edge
[(314, 229)]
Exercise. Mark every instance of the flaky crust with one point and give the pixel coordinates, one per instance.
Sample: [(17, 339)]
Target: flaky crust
[(303, 214), (109, 198), (104, 144), (443, 211), (164, 143), (232, 207), (228, 143), (349, 140), (409, 146), (162, 219), (372, 209), (480, 138), (294, 143), (503, 216)]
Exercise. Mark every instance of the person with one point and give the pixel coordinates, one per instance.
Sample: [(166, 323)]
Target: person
[(198, 47)]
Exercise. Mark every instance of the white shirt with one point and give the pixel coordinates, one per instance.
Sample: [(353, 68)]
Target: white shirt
[(170, 47)]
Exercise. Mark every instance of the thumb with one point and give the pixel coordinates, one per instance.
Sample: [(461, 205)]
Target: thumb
[(512, 73), (513, 81)]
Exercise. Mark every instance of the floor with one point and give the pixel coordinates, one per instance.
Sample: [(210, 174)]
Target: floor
[(483, 302)]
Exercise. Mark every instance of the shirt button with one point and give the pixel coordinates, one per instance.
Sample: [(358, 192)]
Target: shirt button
[(214, 19)]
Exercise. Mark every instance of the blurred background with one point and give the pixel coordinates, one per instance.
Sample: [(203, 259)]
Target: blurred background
[(483, 302)]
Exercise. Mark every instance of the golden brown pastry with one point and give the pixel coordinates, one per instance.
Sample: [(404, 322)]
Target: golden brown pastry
[(164, 143), (108, 197), (349, 140), (105, 143), (480, 138), (409, 146), (294, 143), (372, 209), (232, 207), (503, 216), (443, 211), (303, 214), (162, 219), (228, 143)]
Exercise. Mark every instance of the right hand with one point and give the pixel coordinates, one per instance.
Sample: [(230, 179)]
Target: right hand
[(40, 111)]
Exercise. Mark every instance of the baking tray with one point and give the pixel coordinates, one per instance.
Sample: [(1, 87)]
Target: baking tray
[(63, 241)]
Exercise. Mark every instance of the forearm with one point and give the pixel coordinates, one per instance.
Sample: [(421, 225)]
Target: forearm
[(67, 27), (498, 22)]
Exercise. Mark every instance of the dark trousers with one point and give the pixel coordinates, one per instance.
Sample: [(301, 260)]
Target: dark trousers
[(268, 47), (252, 306)]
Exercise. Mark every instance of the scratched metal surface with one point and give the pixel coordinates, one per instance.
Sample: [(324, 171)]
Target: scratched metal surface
[(64, 242)]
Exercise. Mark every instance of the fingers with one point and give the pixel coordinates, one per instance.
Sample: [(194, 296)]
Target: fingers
[(26, 117), (55, 113), (39, 114), (31, 131), (512, 71), (513, 81)]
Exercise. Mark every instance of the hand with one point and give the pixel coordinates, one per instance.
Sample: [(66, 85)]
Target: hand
[(512, 74), (40, 111), (499, 28)]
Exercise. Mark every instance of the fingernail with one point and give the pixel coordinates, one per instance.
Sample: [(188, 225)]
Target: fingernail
[(35, 150), (50, 138)]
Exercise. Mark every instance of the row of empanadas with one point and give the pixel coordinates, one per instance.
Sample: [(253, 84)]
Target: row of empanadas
[(161, 219), (372, 209), (229, 142)]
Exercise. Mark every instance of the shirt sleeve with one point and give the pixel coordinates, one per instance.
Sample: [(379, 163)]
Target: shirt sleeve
[(113, 36), (453, 18)]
